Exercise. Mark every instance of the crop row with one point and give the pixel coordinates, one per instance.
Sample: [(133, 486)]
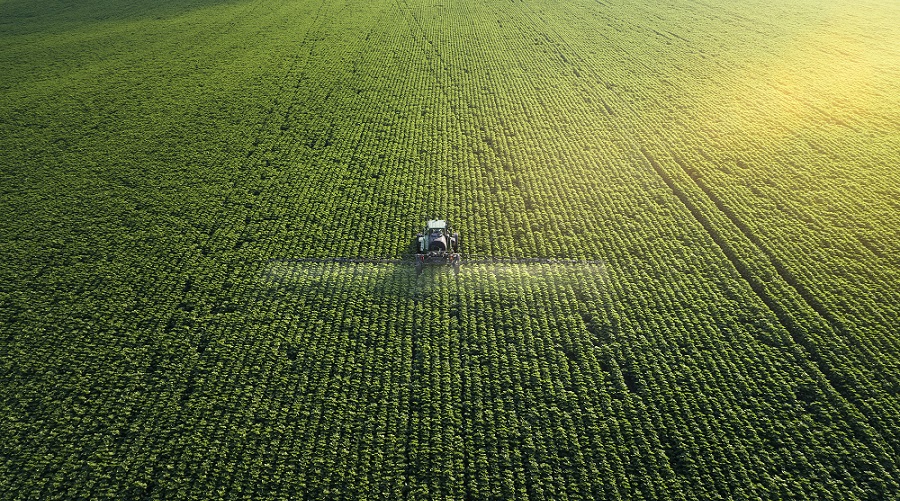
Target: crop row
[(162, 340)]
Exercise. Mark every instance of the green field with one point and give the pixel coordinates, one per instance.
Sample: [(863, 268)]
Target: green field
[(173, 170)]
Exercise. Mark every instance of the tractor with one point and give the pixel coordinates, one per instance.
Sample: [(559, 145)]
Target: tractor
[(437, 244)]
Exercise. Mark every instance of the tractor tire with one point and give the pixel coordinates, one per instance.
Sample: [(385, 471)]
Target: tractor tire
[(415, 245)]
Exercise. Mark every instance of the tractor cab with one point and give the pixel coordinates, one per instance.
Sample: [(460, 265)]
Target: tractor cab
[(436, 241), (437, 244), (435, 237)]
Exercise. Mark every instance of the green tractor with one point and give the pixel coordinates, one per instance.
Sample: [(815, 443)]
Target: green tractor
[(437, 244)]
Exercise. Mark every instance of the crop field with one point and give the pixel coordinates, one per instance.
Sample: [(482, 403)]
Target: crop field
[(682, 222)]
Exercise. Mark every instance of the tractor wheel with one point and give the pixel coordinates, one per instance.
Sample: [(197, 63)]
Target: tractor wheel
[(456, 242), (416, 245)]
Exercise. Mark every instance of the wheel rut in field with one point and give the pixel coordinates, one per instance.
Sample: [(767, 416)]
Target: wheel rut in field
[(737, 262), (782, 270), (786, 301), (793, 304), (732, 255), (797, 332)]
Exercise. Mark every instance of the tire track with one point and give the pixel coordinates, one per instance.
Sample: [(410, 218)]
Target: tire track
[(733, 256), (874, 434), (798, 333), (785, 274)]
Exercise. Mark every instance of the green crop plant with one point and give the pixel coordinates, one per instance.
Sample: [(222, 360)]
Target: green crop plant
[(715, 183)]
